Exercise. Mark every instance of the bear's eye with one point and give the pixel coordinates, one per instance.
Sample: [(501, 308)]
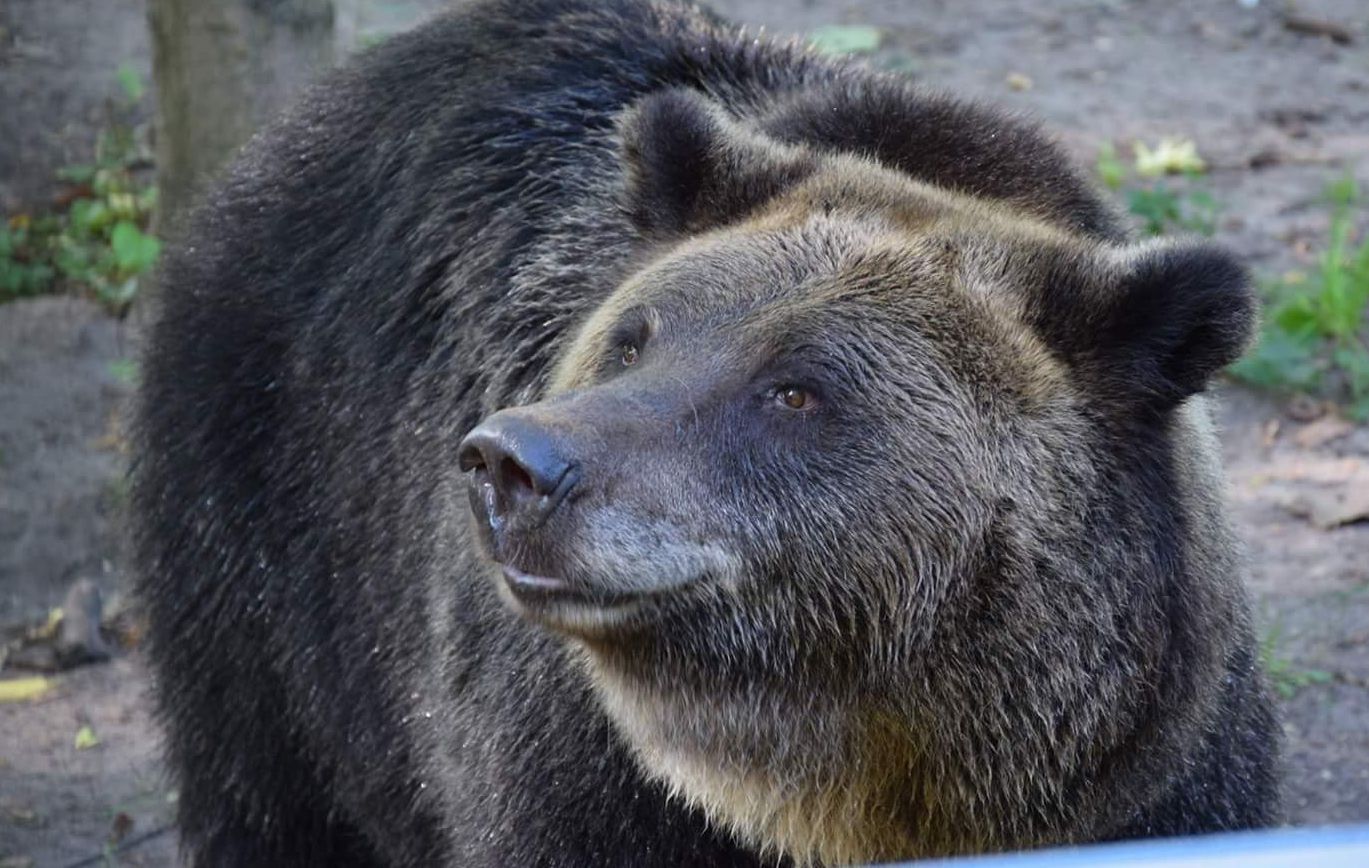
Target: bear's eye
[(795, 398), (628, 353)]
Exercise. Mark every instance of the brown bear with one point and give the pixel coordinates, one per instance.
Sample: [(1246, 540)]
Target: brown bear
[(582, 434)]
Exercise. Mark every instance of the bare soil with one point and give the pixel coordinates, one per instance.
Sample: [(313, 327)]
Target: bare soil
[(1277, 113)]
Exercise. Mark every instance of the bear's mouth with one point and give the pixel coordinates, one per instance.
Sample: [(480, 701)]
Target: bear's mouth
[(542, 591), (582, 609)]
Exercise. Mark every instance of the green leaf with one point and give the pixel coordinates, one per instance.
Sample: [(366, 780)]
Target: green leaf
[(1358, 410), (1282, 360), (124, 371), (105, 181), (842, 39), (1353, 359), (1111, 170), (134, 251), (1201, 213), (11, 279), (1317, 676), (1343, 191), (86, 738), (88, 216), (1156, 206), (130, 81), (41, 276), (1298, 316), (74, 262), (117, 296), (78, 174)]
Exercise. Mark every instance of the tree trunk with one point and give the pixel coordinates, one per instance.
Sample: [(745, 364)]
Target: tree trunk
[(222, 68)]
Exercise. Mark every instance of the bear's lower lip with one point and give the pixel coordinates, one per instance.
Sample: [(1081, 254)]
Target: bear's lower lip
[(540, 592)]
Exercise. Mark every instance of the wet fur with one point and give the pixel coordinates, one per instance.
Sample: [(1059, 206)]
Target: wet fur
[(445, 228)]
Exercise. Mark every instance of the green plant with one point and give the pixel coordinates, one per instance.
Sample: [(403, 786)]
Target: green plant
[(1315, 336), (1111, 170), (1163, 210), (125, 371), (1286, 677), (97, 240), (23, 269), (1160, 206)]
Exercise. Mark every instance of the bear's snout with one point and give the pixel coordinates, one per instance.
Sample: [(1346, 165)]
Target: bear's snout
[(518, 475)]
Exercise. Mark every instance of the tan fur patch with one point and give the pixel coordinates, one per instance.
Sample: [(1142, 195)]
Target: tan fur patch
[(868, 806)]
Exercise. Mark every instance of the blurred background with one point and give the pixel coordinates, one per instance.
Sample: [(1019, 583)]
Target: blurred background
[(1244, 120)]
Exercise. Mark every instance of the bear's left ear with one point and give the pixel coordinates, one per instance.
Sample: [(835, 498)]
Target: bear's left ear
[(1158, 327), (691, 168)]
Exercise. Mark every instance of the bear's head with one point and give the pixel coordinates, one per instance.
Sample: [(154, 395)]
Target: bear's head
[(822, 480)]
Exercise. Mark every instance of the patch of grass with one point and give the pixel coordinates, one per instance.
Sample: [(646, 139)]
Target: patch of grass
[(95, 240), (117, 493), (124, 371), (1111, 170), (1286, 677), (370, 40), (1164, 210), (1162, 206), (1315, 336)]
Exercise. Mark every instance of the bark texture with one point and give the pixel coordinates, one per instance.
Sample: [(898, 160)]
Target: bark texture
[(222, 69)]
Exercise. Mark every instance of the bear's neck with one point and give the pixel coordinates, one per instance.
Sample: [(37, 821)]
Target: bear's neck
[(819, 778)]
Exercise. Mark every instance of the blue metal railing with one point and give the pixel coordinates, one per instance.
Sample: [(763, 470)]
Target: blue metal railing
[(1328, 847)]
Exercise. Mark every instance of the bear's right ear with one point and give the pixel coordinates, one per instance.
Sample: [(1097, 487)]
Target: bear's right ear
[(691, 168)]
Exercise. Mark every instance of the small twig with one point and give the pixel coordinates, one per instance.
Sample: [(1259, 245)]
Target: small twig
[(124, 847), (1337, 33)]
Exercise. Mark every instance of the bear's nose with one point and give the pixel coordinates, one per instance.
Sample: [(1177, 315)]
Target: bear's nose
[(517, 473)]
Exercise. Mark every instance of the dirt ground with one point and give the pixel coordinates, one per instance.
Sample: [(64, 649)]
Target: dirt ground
[(1277, 114)]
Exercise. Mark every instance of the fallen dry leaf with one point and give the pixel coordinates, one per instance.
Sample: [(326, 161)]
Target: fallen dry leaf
[(1270, 433), (1323, 471), (1322, 431), (1336, 32), (1328, 492), (20, 689), (1304, 408), (23, 815), (1331, 508), (1335, 493), (120, 827)]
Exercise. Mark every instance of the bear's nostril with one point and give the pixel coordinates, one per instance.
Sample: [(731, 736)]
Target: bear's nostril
[(517, 482), (470, 458)]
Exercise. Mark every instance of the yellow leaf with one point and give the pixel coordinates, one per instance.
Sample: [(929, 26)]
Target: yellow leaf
[(86, 738), (1170, 156), (51, 625), (123, 203), (19, 689)]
